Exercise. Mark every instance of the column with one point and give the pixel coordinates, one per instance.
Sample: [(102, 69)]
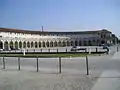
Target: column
[(3, 45)]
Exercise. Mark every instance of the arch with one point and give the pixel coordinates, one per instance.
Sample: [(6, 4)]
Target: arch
[(64, 44), (32, 44), (36, 45), (11, 45), (28, 44), (43, 44), (24, 44), (93, 42), (84, 43), (98, 41), (90, 42), (1, 45), (20, 44), (47, 44), (16, 45), (39, 44), (51, 44), (76, 43), (68, 43), (6, 45), (71, 43), (55, 44), (80, 43), (59, 44)]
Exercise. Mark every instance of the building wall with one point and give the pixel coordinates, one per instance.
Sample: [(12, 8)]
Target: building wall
[(10, 40)]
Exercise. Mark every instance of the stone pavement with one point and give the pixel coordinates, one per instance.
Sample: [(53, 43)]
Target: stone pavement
[(109, 80), (116, 55), (31, 80), (23, 80)]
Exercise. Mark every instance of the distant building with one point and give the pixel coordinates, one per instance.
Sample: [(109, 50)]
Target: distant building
[(15, 38)]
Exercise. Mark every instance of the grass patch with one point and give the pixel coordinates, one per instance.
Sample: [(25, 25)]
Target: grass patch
[(47, 55)]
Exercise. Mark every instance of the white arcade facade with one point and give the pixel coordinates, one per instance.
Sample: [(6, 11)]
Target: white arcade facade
[(19, 39)]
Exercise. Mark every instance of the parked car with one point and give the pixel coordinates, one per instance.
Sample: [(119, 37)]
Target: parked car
[(77, 48), (105, 47)]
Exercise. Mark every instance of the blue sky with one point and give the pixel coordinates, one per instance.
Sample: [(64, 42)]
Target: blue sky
[(61, 15)]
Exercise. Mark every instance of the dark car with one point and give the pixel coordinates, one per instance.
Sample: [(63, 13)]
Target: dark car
[(107, 48)]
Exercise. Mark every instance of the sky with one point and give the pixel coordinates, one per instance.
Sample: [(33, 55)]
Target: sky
[(61, 15)]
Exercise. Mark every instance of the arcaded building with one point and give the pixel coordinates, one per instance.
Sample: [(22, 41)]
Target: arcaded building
[(19, 39)]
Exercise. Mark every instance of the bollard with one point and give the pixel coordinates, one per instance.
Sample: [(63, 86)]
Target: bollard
[(41, 49), (87, 65), (89, 50), (3, 63), (24, 52), (34, 50), (18, 63), (59, 65), (48, 50), (117, 49), (96, 50), (86, 50), (37, 65), (66, 49), (57, 50), (27, 50)]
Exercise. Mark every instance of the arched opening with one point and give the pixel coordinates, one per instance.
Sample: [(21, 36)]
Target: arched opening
[(55, 44), (64, 44), (51, 44), (85, 43), (80, 43), (76, 44), (6, 45), (24, 44), (20, 44), (11, 45), (47, 44), (43, 44), (59, 44), (98, 41), (93, 42), (32, 45), (28, 44), (36, 45), (90, 43), (39, 44), (1, 45), (68, 44), (16, 45), (71, 43)]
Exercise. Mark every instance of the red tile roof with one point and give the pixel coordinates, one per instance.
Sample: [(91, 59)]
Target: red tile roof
[(47, 32)]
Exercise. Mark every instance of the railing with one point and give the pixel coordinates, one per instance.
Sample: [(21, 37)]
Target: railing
[(59, 61)]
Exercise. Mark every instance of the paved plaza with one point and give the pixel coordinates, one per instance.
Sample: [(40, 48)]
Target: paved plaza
[(73, 76)]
